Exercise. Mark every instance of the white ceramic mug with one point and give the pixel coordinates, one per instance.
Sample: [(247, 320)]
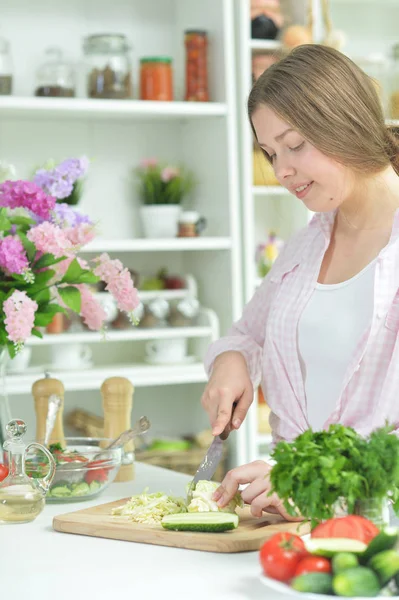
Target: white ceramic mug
[(20, 362), (70, 356), (167, 351)]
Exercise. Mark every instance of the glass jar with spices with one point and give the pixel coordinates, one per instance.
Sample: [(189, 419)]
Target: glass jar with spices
[(109, 66), (156, 78), (55, 77), (5, 68), (196, 43)]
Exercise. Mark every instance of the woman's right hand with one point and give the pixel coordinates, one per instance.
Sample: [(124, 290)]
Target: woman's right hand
[(229, 383)]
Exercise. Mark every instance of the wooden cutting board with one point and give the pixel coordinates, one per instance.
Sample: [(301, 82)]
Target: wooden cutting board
[(250, 534)]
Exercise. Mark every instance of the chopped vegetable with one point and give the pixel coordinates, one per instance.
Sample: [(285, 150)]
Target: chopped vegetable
[(212, 522), (150, 508), (351, 526), (202, 499), (330, 546)]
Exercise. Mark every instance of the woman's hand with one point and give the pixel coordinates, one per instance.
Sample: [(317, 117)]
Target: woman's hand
[(229, 383), (256, 474)]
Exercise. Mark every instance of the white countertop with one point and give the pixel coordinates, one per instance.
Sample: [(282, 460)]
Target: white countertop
[(38, 563)]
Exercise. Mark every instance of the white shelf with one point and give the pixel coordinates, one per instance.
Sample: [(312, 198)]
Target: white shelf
[(140, 375), (270, 190), (265, 44), (159, 245), (134, 334), (88, 108)]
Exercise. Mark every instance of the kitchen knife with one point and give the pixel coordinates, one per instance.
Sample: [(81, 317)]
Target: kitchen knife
[(207, 468)]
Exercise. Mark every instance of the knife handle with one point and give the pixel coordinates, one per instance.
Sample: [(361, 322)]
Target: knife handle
[(229, 427)]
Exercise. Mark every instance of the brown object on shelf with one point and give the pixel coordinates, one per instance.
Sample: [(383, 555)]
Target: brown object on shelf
[(196, 43), (107, 83), (117, 393), (58, 324), (54, 91), (5, 85), (86, 423), (182, 461), (42, 390), (156, 79)]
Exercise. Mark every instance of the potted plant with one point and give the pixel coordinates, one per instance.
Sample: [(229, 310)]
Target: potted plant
[(162, 188)]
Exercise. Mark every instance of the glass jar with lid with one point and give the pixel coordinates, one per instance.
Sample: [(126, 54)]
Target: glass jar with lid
[(109, 66), (5, 68), (55, 77), (394, 95), (156, 78), (196, 42)]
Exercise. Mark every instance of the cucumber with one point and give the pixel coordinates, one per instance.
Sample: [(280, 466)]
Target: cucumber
[(330, 546), (385, 540), (344, 560), (314, 583), (205, 521), (359, 581), (385, 564)]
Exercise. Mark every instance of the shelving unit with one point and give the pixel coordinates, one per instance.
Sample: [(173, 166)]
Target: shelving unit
[(116, 135)]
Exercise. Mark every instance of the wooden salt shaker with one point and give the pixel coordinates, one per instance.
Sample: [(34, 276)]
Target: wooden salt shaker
[(42, 390), (117, 393)]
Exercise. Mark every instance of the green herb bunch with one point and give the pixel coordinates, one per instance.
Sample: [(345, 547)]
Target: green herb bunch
[(319, 469), (163, 184)]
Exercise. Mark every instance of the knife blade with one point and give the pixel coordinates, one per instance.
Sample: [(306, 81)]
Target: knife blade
[(207, 468)]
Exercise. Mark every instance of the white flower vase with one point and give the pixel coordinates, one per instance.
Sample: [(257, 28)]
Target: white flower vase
[(160, 220)]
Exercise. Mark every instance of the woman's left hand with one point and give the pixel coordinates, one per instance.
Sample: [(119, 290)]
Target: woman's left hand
[(256, 474)]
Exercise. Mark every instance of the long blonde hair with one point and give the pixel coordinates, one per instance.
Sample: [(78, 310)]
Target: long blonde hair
[(328, 99)]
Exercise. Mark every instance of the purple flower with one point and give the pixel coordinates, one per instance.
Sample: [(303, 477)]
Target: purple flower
[(13, 257), (59, 181), (26, 194), (65, 216)]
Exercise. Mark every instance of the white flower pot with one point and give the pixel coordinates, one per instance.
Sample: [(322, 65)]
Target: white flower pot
[(160, 220)]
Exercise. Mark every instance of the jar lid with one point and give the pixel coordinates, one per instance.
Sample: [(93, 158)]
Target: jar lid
[(156, 59), (106, 42), (196, 32)]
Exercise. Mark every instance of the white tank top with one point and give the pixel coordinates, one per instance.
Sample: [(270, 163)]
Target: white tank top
[(329, 330)]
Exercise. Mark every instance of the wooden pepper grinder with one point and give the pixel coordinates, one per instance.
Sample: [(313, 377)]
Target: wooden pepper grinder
[(117, 393), (42, 390)]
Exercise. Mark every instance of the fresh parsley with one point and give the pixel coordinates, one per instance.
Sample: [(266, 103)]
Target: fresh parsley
[(319, 469)]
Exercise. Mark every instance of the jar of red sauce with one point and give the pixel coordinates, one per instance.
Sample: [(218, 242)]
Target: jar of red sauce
[(196, 43), (156, 78)]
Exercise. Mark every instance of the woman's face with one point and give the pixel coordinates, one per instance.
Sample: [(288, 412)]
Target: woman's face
[(319, 181)]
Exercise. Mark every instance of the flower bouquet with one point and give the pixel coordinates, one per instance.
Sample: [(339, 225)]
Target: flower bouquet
[(63, 181), (41, 273)]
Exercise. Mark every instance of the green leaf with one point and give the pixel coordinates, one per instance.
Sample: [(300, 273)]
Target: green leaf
[(45, 314), (4, 221), (22, 221), (47, 260), (29, 246), (75, 274), (42, 295), (88, 277), (71, 297), (37, 333)]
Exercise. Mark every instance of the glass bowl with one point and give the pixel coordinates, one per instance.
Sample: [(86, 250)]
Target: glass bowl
[(80, 474)]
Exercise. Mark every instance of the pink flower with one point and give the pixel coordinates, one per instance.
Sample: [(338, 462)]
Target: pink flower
[(169, 173), (123, 290), (91, 310), (13, 257), (119, 282), (20, 316), (26, 194), (50, 238), (148, 163), (80, 235)]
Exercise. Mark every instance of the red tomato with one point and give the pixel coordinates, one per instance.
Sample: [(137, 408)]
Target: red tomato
[(3, 472), (352, 526), (95, 473), (280, 555), (313, 564)]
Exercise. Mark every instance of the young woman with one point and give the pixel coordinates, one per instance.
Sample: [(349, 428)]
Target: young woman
[(320, 333)]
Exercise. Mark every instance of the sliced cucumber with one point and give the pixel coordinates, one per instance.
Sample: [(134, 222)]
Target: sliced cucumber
[(385, 540), (207, 521), (330, 546), (359, 581)]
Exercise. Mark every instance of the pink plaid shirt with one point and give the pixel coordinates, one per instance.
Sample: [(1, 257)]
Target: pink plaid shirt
[(266, 335)]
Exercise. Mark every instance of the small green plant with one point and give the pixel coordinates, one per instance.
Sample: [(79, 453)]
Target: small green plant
[(163, 184)]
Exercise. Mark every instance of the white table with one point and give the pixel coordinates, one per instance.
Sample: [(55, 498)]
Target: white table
[(38, 563)]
